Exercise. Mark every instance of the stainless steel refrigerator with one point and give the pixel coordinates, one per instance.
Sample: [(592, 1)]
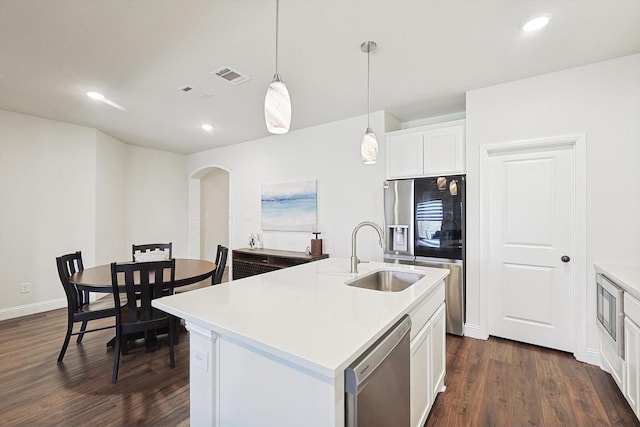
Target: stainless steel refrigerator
[(425, 225)]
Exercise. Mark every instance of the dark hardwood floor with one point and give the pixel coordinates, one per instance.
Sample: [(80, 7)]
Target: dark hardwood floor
[(37, 391), (505, 383), (489, 383)]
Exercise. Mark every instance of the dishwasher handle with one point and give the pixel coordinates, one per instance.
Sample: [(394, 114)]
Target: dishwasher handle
[(367, 363)]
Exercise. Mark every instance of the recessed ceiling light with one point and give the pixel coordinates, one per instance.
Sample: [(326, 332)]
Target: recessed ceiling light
[(536, 23), (95, 95), (207, 127)]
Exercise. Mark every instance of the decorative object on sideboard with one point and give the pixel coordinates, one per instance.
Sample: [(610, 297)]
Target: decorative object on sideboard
[(316, 245), (369, 145), (277, 103), (252, 241)]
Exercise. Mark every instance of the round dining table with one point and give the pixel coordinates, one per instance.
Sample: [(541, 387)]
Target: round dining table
[(188, 271)]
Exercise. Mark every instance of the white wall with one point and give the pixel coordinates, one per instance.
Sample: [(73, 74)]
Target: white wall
[(47, 205), (110, 195), (348, 191), (156, 198), (601, 100), (65, 188)]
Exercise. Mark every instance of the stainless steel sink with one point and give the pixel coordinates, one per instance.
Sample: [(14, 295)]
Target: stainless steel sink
[(386, 280)]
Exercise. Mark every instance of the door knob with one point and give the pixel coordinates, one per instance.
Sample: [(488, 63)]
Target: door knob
[(565, 258)]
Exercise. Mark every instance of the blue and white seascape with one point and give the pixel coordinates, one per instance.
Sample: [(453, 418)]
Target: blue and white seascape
[(290, 206)]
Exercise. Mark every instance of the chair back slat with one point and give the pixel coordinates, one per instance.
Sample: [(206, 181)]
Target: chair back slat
[(150, 247), (68, 265), (218, 253), (221, 262)]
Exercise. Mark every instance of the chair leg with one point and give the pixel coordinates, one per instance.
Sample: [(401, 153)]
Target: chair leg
[(172, 331), (63, 350), (81, 334), (116, 358), (176, 330)]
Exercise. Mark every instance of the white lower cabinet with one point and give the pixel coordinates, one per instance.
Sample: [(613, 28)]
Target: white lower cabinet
[(420, 376), (439, 351), (428, 366), (631, 388), (632, 363)]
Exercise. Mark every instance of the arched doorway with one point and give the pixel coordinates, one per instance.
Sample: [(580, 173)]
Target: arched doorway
[(209, 218)]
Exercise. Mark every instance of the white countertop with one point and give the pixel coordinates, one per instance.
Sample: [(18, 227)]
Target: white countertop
[(304, 314), (626, 276)]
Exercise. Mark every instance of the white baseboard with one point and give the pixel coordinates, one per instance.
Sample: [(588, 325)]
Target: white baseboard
[(590, 356), (33, 308), (473, 331)]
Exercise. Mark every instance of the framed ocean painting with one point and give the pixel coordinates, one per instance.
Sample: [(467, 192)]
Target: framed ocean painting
[(289, 206)]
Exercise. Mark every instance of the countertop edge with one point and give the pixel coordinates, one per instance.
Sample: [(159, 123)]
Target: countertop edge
[(626, 276)]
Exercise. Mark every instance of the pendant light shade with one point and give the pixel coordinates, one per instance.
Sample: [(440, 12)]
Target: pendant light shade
[(277, 103), (277, 107), (369, 145)]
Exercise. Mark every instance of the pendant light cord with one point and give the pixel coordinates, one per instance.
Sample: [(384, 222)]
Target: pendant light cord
[(277, 13), (368, 85)]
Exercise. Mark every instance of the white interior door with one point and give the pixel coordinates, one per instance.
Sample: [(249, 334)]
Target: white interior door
[(531, 229)]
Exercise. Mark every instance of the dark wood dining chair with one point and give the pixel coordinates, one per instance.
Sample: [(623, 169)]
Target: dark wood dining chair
[(216, 278), (143, 282), (79, 309), (218, 253), (221, 263), (150, 247)]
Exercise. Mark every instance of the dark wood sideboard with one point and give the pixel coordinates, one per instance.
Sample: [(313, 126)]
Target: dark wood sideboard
[(249, 262)]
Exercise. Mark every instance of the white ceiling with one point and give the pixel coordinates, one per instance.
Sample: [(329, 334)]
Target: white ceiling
[(139, 52)]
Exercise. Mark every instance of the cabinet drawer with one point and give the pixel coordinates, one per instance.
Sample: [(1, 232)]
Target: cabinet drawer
[(423, 311), (632, 308)]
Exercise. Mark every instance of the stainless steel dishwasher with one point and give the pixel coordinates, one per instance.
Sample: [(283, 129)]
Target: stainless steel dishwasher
[(377, 384)]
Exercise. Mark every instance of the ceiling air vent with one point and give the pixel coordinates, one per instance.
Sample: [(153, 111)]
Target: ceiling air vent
[(231, 75), (196, 93)]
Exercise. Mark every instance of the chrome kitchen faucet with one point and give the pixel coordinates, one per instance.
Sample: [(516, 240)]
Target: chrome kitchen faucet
[(354, 258)]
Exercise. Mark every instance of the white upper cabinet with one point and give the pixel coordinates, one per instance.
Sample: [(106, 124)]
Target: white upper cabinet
[(426, 151)]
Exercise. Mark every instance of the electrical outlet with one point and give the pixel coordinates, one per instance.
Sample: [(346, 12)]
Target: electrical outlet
[(25, 288), (200, 359)]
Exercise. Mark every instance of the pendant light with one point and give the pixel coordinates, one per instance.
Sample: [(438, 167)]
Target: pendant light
[(369, 146), (277, 104)]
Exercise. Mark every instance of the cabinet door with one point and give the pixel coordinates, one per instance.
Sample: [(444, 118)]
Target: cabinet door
[(444, 151), (632, 360), (438, 351), (404, 155), (420, 376)]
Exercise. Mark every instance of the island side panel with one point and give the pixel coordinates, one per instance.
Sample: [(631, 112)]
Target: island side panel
[(257, 388), (203, 376)]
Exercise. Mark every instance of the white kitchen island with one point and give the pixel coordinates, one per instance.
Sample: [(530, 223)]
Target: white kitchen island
[(271, 349)]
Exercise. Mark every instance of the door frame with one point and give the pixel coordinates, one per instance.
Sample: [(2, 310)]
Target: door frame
[(194, 211), (577, 142)]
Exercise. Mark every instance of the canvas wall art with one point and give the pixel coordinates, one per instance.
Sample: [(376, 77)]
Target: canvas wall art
[(290, 206)]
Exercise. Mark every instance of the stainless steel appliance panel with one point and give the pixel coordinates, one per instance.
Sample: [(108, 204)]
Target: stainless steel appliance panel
[(454, 285), (377, 384), (440, 217), (400, 259), (610, 312), (399, 217)]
